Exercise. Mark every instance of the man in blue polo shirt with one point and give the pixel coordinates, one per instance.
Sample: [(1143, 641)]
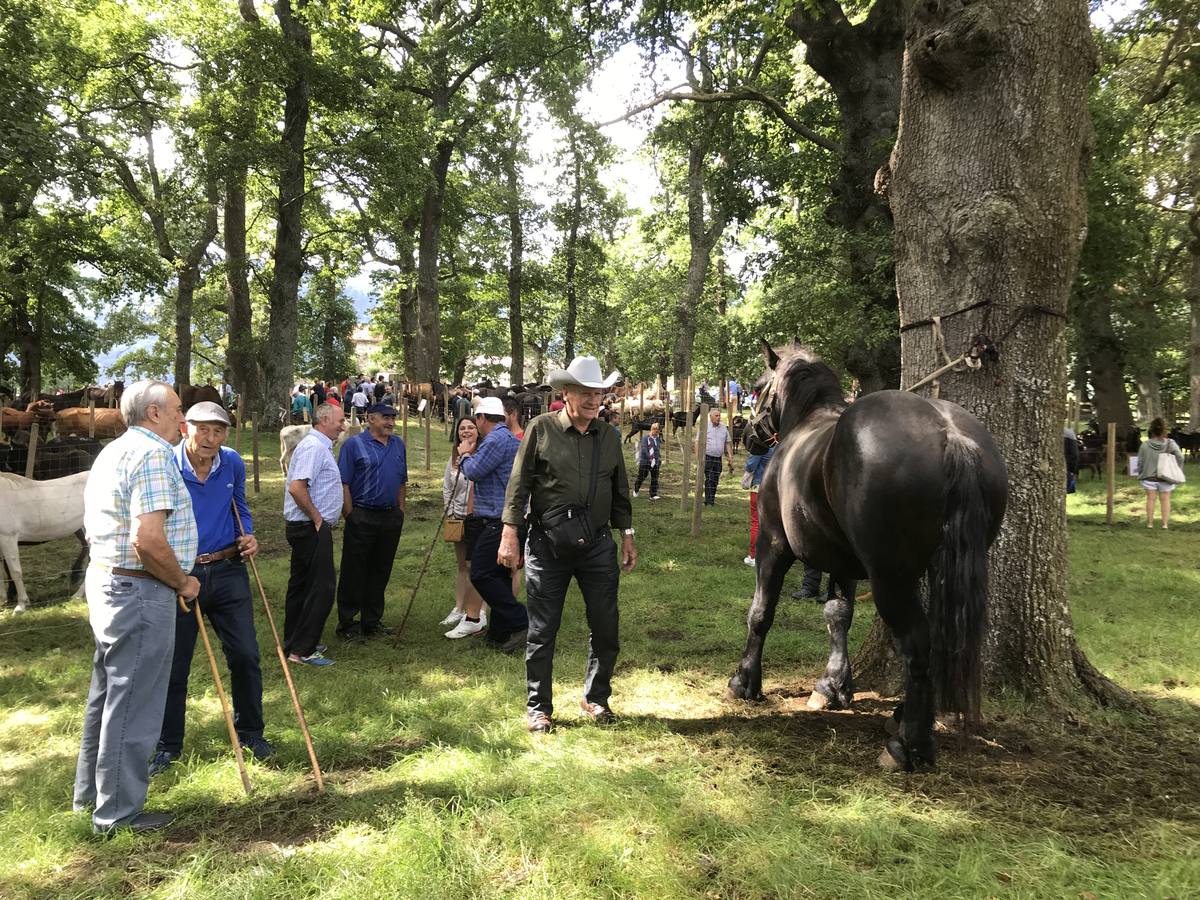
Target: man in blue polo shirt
[(374, 471), (488, 465), (215, 477)]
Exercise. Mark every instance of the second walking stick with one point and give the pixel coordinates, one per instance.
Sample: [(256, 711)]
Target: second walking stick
[(287, 674)]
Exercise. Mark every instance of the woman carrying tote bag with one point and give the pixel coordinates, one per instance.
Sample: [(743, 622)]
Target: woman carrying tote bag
[(467, 617), (1159, 477)]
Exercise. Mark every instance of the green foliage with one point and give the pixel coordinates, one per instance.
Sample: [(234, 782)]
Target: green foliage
[(324, 350)]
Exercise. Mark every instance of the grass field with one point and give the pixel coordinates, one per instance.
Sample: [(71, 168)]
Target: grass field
[(435, 789)]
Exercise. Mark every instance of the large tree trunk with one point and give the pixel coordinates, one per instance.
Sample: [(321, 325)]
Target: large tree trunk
[(703, 234), (989, 195), (185, 292), (240, 355), (279, 353), (516, 254), (1106, 355), (860, 62), (24, 330), (427, 345), (572, 251), (407, 301), (1193, 288), (1150, 402)]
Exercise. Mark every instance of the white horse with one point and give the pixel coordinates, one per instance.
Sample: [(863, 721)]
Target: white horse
[(36, 511)]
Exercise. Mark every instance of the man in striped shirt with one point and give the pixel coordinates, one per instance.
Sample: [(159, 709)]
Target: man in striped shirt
[(138, 518), (488, 465)]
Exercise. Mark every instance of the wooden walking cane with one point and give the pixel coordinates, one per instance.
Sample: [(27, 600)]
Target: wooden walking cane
[(287, 674), (212, 662)]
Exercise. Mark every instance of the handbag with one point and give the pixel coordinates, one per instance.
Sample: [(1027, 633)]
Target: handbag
[(452, 531), (569, 527), (1168, 469)]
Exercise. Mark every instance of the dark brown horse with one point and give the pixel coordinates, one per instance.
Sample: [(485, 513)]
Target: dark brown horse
[(892, 488)]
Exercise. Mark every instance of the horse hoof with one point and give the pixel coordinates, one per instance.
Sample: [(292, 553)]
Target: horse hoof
[(889, 763), (817, 700)]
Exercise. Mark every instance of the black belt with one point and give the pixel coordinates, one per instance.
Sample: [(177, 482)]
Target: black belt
[(375, 508)]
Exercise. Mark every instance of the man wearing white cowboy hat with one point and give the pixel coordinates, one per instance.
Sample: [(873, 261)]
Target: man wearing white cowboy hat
[(488, 465), (571, 472)]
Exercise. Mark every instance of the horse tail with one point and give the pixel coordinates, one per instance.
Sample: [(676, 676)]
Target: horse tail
[(958, 582)]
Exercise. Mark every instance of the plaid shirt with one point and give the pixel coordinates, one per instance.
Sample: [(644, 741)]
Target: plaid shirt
[(489, 467), (134, 475), (313, 462)]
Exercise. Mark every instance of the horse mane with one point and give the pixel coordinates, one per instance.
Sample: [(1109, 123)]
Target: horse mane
[(805, 382)]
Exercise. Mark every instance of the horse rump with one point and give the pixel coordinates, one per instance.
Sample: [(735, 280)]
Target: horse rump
[(957, 578)]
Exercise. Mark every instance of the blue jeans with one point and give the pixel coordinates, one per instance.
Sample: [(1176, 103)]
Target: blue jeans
[(546, 581), (133, 622), (225, 600), (492, 580)]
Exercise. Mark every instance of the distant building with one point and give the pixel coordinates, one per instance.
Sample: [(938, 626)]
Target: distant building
[(367, 348)]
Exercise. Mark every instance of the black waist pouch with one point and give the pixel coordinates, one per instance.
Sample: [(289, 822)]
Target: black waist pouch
[(568, 528)]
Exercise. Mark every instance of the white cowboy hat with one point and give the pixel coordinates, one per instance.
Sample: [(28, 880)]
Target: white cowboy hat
[(583, 371)]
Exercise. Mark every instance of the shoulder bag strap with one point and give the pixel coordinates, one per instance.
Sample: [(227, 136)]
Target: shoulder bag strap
[(595, 467)]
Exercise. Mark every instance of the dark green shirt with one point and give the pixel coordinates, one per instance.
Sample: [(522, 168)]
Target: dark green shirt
[(554, 468)]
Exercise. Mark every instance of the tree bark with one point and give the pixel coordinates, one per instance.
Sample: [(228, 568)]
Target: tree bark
[(1193, 288), (279, 353), (427, 343), (407, 302), (1106, 356), (240, 354), (861, 63), (986, 212), (516, 254), (1149, 389), (572, 251), (185, 292)]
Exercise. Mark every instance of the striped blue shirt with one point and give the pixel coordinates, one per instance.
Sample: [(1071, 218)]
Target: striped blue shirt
[(313, 462), (489, 467)]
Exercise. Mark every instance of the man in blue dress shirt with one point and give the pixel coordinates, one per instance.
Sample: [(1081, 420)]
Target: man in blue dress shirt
[(488, 465), (374, 472), (215, 477)]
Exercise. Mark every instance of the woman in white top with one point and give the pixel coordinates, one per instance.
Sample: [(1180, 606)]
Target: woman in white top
[(467, 617)]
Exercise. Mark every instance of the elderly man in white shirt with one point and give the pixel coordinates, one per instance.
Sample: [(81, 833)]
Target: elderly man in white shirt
[(717, 444), (312, 503)]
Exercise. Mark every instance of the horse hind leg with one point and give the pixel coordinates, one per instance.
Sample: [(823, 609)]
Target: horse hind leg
[(835, 688), (773, 565), (911, 746)]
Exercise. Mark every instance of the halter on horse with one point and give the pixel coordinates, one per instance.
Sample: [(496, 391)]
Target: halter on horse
[(892, 488)]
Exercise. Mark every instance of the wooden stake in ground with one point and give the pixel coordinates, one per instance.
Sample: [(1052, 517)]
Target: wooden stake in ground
[(241, 423), (254, 449), (428, 425), (404, 420), (668, 420), (33, 447), (287, 674), (701, 439), (92, 418), (216, 674), (1112, 468), (686, 449)]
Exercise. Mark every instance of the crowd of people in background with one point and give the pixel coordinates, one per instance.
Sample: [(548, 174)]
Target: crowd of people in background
[(171, 533)]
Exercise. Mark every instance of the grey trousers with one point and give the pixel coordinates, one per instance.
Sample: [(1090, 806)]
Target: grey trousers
[(133, 621)]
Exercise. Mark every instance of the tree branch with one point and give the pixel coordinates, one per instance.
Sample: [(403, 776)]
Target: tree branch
[(779, 110)]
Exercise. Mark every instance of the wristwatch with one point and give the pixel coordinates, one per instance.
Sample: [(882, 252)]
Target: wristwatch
[(628, 532)]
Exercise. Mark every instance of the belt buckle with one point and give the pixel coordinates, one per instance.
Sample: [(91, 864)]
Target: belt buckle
[(204, 559)]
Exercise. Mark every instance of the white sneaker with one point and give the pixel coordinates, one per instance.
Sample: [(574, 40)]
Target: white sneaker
[(635, 493), (453, 618), (749, 560), (466, 629), (656, 497)]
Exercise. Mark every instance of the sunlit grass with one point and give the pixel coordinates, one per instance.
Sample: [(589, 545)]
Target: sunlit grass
[(436, 790)]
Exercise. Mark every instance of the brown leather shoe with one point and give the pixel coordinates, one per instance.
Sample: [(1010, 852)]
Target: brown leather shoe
[(539, 723), (599, 714)]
